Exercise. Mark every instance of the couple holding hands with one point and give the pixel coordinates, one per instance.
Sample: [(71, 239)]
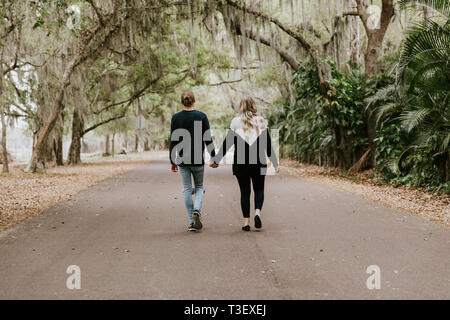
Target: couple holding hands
[(248, 133)]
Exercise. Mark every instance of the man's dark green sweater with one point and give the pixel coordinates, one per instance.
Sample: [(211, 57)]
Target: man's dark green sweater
[(189, 134)]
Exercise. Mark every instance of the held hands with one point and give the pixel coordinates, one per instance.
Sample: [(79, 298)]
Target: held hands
[(174, 167), (213, 165)]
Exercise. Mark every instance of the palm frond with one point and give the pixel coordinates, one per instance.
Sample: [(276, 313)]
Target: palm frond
[(429, 75), (426, 41), (384, 94), (382, 111), (403, 156), (445, 143), (442, 6), (412, 119), (393, 165)]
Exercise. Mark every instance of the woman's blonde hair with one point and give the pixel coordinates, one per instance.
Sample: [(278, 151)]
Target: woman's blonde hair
[(248, 112)]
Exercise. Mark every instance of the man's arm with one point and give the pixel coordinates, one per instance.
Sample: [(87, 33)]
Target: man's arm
[(207, 137), (172, 144)]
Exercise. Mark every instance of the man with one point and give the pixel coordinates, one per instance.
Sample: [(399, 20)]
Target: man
[(189, 133)]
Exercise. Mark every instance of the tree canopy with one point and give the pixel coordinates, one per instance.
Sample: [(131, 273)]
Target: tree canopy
[(351, 83)]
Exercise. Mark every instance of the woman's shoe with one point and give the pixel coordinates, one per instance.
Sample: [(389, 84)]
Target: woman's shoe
[(246, 228), (258, 223)]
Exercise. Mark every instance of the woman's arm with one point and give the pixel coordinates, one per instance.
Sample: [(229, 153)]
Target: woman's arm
[(226, 145), (271, 151)]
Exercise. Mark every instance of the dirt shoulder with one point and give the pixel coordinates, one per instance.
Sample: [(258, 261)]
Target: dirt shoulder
[(415, 201), (23, 195)]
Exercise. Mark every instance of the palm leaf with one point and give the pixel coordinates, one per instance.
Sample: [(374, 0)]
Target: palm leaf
[(382, 111), (412, 119), (427, 72), (445, 143), (384, 94), (426, 41), (442, 6), (403, 156)]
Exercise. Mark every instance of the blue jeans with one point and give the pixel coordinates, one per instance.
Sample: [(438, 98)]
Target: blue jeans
[(198, 191)]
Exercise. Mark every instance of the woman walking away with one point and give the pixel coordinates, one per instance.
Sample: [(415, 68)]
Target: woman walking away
[(251, 139)]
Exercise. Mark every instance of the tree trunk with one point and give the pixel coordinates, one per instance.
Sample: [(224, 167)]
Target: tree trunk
[(447, 167), (375, 34), (136, 143), (107, 154), (49, 151), (85, 48), (146, 145), (375, 39), (357, 166), (77, 133), (342, 150), (354, 34), (124, 141), (112, 144), (58, 143), (374, 46), (59, 151), (4, 150), (39, 149), (375, 42)]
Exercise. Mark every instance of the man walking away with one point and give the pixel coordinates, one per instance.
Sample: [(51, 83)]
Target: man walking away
[(189, 134)]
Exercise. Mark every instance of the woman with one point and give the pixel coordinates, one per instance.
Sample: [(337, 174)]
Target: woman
[(250, 137)]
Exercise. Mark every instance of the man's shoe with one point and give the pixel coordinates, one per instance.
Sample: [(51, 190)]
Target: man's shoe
[(197, 223), (246, 228), (192, 228)]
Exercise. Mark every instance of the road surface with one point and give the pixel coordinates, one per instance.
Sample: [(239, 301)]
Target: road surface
[(128, 235)]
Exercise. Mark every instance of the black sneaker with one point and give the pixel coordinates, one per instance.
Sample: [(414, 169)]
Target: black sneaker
[(192, 228), (197, 223), (246, 228), (258, 223)]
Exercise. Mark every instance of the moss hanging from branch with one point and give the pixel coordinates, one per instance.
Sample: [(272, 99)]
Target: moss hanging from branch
[(233, 12)]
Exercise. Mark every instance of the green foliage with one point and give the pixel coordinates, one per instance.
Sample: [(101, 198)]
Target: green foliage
[(424, 101), (411, 104), (414, 122), (347, 107), (313, 127), (442, 6)]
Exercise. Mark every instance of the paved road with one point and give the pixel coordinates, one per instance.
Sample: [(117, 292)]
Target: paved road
[(128, 236)]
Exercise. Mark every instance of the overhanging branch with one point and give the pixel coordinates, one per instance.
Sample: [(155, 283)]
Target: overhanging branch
[(303, 42), (95, 126), (223, 82), (323, 70)]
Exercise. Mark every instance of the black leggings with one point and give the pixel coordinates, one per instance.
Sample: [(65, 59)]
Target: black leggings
[(258, 189)]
